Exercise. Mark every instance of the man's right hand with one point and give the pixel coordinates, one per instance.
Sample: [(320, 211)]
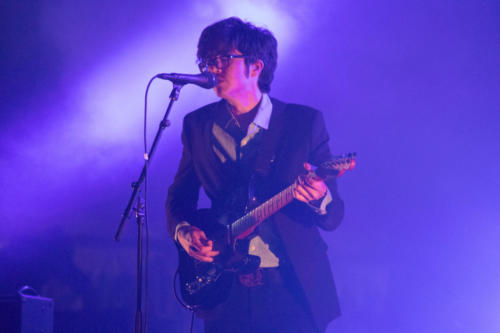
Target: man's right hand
[(196, 244)]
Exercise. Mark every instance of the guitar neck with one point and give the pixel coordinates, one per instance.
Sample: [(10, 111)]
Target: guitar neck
[(258, 215), (245, 225)]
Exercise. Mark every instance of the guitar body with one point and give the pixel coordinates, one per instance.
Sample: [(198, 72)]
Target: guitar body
[(204, 285)]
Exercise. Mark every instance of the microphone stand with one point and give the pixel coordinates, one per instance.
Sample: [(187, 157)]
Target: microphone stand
[(139, 207)]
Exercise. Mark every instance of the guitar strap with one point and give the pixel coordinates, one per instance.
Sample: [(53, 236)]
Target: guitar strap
[(271, 140)]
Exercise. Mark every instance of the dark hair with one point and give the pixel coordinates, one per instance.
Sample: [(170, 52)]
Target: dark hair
[(255, 43)]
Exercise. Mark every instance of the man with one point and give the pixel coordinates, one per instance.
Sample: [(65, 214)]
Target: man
[(249, 145)]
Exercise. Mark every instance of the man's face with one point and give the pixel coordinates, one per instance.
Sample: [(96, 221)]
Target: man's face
[(233, 76)]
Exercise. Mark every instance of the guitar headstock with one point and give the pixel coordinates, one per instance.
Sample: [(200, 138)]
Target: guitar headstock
[(336, 167)]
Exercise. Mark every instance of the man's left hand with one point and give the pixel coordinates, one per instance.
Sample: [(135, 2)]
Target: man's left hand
[(309, 189)]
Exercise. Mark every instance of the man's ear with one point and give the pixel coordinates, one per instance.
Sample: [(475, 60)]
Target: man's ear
[(256, 68)]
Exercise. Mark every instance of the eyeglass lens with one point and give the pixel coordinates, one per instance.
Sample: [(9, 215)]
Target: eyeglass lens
[(219, 62)]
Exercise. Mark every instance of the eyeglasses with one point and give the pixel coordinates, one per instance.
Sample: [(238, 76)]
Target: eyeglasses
[(219, 62)]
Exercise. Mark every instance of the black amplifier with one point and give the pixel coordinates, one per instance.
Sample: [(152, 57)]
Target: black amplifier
[(26, 313)]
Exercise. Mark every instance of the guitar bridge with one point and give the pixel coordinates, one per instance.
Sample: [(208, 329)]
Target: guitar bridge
[(201, 281)]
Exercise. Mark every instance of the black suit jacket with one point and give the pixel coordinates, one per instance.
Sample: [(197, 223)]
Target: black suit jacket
[(297, 134)]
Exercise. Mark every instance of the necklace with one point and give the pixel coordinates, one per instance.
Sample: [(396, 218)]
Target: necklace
[(233, 118)]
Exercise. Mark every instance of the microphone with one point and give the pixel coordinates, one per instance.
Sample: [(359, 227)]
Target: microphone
[(205, 80)]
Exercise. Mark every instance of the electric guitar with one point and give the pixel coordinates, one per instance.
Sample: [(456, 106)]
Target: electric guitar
[(204, 285)]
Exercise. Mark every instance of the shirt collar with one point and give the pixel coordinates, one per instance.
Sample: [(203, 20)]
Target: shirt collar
[(264, 112)]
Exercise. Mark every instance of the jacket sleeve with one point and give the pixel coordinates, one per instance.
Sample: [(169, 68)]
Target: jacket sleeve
[(319, 153), (182, 198)]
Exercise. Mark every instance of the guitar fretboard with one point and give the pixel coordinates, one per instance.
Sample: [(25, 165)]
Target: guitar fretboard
[(262, 212)]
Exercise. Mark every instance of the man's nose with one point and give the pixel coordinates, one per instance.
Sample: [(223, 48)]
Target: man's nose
[(214, 69), (217, 67)]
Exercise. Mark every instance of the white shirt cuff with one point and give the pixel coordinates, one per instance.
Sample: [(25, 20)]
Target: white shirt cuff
[(177, 227), (321, 210)]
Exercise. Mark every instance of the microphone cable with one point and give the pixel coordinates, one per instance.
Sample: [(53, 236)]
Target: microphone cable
[(146, 227)]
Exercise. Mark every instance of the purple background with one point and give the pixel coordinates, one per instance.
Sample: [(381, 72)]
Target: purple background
[(412, 86)]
